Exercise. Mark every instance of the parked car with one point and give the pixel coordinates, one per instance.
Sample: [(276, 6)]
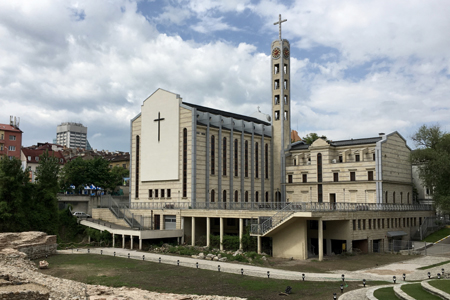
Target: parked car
[(80, 214)]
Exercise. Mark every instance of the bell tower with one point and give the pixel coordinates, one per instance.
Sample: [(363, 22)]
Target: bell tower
[(281, 113)]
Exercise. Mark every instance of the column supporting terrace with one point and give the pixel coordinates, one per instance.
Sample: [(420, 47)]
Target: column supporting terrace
[(320, 237), (241, 230), (208, 231), (221, 234), (193, 232)]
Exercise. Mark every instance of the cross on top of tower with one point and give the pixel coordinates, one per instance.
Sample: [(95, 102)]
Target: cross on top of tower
[(279, 24)]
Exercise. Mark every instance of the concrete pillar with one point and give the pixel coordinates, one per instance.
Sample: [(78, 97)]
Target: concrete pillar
[(123, 241), (89, 238), (193, 232), (131, 242), (259, 244), (221, 234), (182, 227), (113, 240), (208, 231), (161, 222), (140, 243), (349, 246), (320, 237), (241, 231), (329, 251)]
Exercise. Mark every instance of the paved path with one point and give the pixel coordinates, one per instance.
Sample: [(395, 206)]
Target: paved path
[(383, 273)]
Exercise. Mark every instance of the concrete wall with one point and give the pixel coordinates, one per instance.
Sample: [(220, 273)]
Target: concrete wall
[(291, 241)]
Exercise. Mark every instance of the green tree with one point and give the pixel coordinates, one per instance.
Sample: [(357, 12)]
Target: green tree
[(117, 175), (14, 182), (311, 137), (75, 173), (433, 160), (99, 172)]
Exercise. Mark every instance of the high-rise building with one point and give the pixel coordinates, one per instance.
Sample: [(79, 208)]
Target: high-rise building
[(71, 135)]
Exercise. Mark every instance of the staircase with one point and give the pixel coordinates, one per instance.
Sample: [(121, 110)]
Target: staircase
[(272, 222)]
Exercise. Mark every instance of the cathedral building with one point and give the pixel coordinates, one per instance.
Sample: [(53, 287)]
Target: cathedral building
[(200, 171)]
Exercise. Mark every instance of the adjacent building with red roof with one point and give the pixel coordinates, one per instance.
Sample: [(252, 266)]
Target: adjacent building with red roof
[(10, 139), (31, 155)]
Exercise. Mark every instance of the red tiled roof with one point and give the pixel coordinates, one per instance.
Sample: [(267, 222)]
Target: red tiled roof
[(9, 128), (31, 154)]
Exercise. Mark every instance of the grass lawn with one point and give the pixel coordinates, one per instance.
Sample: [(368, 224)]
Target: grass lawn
[(339, 262), (441, 284), (416, 291), (117, 272), (386, 293), (435, 265), (436, 236)]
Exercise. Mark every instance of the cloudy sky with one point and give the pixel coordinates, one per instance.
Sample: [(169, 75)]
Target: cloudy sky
[(357, 67)]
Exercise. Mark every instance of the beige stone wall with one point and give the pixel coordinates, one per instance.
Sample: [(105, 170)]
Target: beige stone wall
[(135, 131), (292, 241), (175, 186), (395, 161)]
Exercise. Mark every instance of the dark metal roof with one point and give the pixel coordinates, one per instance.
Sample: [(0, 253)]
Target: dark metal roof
[(225, 127), (352, 142), (226, 114)]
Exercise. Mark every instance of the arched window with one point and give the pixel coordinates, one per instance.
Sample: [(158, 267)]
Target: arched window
[(246, 159), (257, 196), (137, 167), (246, 196), (256, 160), (224, 157), (184, 163), (236, 157), (319, 167), (236, 196), (267, 196), (266, 158), (393, 197), (213, 150), (213, 196)]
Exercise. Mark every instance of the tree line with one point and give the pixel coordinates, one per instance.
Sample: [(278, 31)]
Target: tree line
[(26, 206)]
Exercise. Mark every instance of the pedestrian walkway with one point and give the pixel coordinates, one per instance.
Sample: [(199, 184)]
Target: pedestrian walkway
[(383, 273)]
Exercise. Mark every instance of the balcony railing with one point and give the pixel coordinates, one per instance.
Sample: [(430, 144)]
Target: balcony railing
[(270, 206)]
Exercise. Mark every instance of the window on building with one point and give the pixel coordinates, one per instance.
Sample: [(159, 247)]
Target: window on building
[(36, 158), (359, 224), (286, 115), (285, 99), (285, 84), (224, 157), (319, 193), (393, 197), (276, 84), (378, 224), (319, 167), (256, 160), (213, 196), (150, 193), (136, 192), (277, 100), (295, 162), (364, 224), (276, 69), (169, 193), (370, 223), (156, 193), (162, 193), (12, 148), (246, 196), (386, 197), (357, 157), (266, 163), (382, 223), (340, 158), (304, 178), (267, 196), (236, 196), (12, 137), (401, 197), (184, 163), (246, 158), (290, 178), (256, 196), (352, 176), (236, 156), (354, 224), (335, 176), (213, 150), (407, 198), (277, 115), (370, 175), (373, 156), (224, 196)]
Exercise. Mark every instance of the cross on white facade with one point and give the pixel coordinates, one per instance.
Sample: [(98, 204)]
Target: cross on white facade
[(279, 24)]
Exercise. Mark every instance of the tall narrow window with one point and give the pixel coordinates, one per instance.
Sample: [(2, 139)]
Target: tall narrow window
[(386, 197), (276, 69), (224, 157), (304, 178), (184, 163), (335, 176), (267, 196), (407, 199), (137, 167), (246, 158), (370, 175), (236, 157), (276, 84), (150, 193), (246, 196), (357, 158), (257, 196), (285, 84), (319, 167), (277, 100), (352, 176), (319, 193), (213, 150), (156, 193), (266, 158), (162, 193), (393, 197), (236, 196), (224, 196), (290, 178), (213, 196), (286, 100), (256, 160), (168, 193)]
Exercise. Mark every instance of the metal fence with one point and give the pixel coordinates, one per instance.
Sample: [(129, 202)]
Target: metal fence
[(419, 248)]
